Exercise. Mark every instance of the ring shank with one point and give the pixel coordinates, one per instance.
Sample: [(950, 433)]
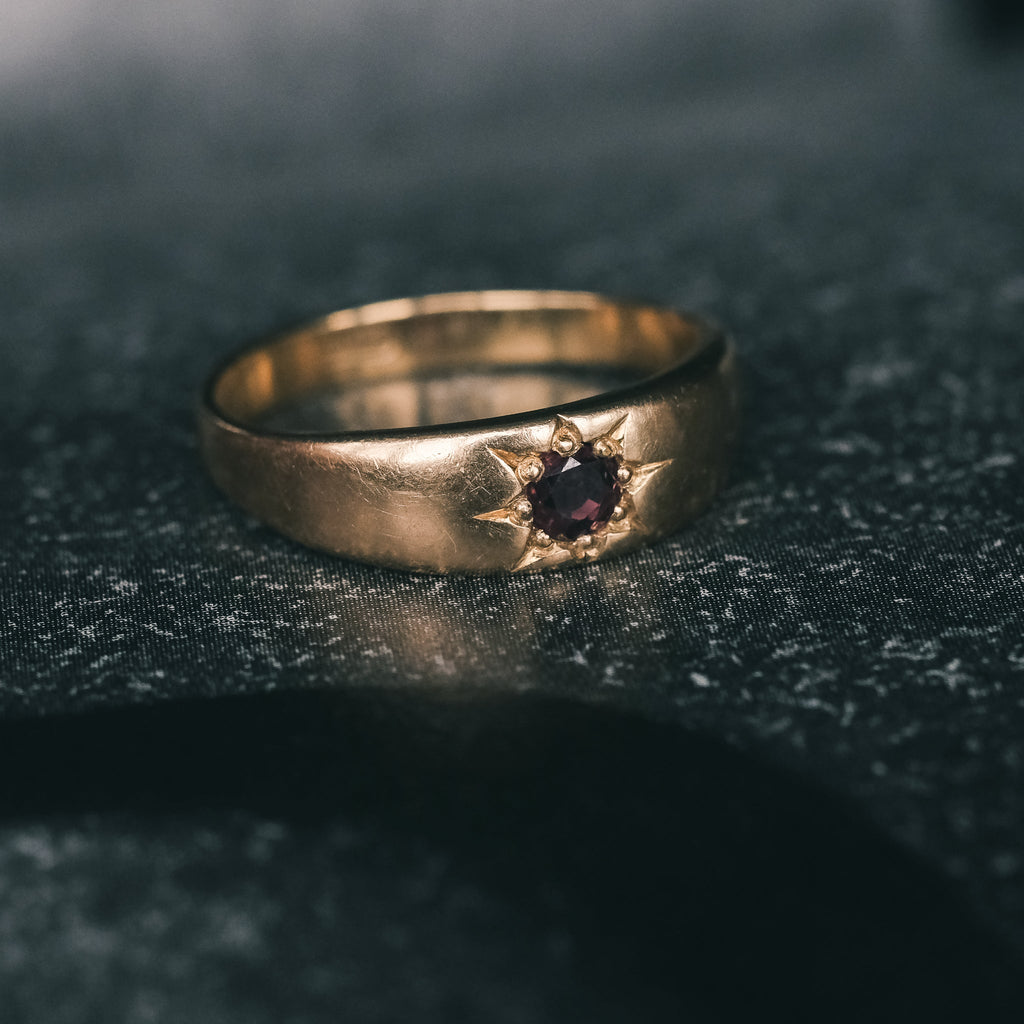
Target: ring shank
[(411, 498), (410, 338)]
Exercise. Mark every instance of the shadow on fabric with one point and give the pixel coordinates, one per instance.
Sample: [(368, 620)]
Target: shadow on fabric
[(695, 882)]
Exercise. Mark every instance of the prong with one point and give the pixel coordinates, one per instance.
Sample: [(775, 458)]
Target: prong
[(522, 510), (541, 539), (529, 469), (582, 545), (624, 474), (567, 437), (607, 447), (621, 519)]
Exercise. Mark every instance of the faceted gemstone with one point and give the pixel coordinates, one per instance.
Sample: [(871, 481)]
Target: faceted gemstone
[(575, 495)]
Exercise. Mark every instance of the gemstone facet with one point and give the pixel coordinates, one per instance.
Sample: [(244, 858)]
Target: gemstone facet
[(577, 493)]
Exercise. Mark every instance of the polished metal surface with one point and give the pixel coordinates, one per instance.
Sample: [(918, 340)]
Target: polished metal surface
[(429, 497)]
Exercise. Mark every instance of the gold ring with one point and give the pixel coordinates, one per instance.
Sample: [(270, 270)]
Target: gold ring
[(341, 435)]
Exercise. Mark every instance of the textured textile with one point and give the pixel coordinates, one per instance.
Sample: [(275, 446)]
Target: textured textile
[(836, 647)]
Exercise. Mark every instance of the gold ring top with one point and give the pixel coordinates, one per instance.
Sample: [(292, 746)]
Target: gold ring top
[(569, 479)]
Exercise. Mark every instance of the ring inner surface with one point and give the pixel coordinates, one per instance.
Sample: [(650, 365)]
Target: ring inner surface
[(399, 364)]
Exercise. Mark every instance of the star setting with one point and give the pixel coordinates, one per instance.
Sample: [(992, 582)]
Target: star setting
[(575, 497)]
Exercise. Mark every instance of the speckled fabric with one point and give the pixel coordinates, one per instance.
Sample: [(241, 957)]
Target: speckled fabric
[(846, 621)]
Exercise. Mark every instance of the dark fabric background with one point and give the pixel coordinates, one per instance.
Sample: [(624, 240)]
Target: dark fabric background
[(772, 768)]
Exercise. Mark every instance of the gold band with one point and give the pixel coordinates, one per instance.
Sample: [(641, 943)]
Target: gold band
[(568, 482)]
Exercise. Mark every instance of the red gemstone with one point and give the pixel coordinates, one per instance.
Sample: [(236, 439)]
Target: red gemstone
[(576, 494)]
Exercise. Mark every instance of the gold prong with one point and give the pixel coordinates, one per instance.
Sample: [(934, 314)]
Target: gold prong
[(566, 438), (530, 468), (621, 520), (606, 447), (581, 545), (624, 474), (522, 510)]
